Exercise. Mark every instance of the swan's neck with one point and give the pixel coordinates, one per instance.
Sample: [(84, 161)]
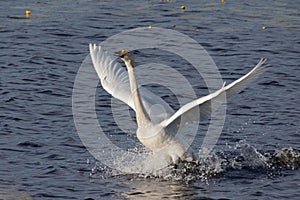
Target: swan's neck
[(142, 116)]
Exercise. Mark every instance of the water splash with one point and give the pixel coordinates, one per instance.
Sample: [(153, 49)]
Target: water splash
[(241, 156), (285, 157)]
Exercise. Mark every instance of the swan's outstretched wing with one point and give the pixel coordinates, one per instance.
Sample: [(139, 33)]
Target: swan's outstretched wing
[(238, 85), (202, 105), (114, 79)]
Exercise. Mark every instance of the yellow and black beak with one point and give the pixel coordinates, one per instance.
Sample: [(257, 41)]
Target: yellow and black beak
[(121, 53)]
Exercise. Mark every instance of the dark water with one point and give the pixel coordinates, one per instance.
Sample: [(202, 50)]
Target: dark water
[(41, 154)]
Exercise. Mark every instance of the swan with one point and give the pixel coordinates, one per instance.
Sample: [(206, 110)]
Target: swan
[(157, 132)]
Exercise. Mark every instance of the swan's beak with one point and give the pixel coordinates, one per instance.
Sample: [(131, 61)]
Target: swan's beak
[(121, 53)]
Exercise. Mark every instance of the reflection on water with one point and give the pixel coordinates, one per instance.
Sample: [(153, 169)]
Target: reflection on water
[(10, 192), (159, 190)]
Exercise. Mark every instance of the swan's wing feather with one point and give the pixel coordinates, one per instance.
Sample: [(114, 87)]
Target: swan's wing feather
[(114, 79), (238, 85), (113, 76), (200, 108), (197, 109)]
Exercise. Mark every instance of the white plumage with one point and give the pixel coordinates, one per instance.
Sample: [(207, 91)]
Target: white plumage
[(157, 132)]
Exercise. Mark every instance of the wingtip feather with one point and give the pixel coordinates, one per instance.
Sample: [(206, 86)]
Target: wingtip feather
[(92, 47), (262, 61), (224, 84)]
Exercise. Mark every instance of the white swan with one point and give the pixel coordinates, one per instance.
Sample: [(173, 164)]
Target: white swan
[(157, 132)]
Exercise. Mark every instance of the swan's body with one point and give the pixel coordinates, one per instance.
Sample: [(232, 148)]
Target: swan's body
[(157, 132)]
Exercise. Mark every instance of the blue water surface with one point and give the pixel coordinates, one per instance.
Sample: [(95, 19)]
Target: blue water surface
[(42, 156)]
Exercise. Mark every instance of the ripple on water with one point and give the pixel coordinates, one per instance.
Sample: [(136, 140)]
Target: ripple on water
[(41, 152)]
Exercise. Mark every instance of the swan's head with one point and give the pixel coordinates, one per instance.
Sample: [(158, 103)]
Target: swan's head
[(126, 56)]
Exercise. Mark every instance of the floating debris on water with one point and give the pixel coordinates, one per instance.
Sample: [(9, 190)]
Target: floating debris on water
[(27, 13), (182, 7), (149, 27), (264, 27)]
